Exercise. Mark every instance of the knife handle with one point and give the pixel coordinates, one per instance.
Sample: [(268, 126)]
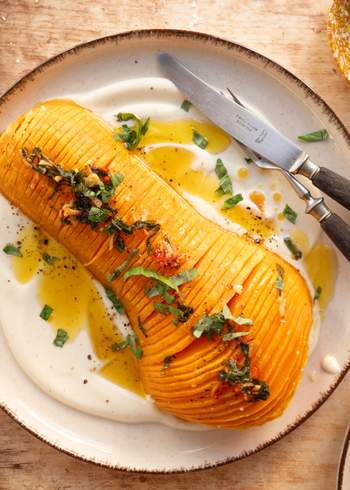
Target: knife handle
[(338, 231), (332, 184)]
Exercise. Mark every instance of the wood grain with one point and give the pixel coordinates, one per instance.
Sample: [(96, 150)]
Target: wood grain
[(291, 33)]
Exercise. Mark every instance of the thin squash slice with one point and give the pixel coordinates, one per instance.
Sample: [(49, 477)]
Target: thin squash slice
[(238, 382)]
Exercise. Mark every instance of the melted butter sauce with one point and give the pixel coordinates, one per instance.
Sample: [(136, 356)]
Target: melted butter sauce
[(174, 164), (321, 267), (68, 288)]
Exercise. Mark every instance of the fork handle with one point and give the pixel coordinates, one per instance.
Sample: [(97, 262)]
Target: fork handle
[(338, 231), (334, 185)]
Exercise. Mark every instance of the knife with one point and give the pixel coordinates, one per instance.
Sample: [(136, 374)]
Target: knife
[(253, 131), (267, 141)]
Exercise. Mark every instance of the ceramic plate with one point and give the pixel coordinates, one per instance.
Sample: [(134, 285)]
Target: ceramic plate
[(344, 464), (289, 105)]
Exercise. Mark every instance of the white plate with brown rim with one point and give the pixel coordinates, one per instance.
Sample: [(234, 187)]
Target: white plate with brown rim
[(290, 105)]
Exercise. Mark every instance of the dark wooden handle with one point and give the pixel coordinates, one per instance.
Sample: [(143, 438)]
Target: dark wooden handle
[(335, 186), (339, 232)]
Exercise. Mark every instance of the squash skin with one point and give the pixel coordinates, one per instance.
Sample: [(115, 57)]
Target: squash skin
[(190, 389)]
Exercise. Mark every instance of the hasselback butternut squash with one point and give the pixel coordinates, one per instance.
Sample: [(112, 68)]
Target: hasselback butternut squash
[(199, 378)]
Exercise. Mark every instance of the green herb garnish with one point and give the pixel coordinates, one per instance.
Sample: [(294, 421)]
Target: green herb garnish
[(49, 259), (141, 327), (233, 335), (46, 312), (178, 279), (318, 292), (133, 343), (166, 362), (116, 302), (141, 271), (131, 135), (232, 201), (181, 312), (248, 160), (225, 181), (61, 338), (290, 214), (236, 375), (295, 251), (210, 325), (199, 140), (98, 215), (10, 249), (320, 135), (279, 283), (113, 276), (186, 105)]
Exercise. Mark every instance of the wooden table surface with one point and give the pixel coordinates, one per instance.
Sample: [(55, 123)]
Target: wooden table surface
[(291, 33)]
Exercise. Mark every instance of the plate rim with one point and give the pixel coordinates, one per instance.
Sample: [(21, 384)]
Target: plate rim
[(345, 454), (250, 53)]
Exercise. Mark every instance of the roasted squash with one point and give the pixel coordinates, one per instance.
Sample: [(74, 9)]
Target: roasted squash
[(232, 270)]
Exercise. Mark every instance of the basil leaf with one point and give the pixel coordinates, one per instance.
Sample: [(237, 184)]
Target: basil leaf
[(116, 302), (49, 259), (46, 312), (295, 251), (318, 292), (131, 341), (290, 214), (225, 181), (98, 215), (184, 276), (227, 313), (279, 283), (10, 249), (131, 135), (166, 362), (113, 276), (233, 335), (209, 326), (248, 160), (320, 135), (199, 140), (241, 320), (61, 338), (141, 271), (186, 105), (232, 201)]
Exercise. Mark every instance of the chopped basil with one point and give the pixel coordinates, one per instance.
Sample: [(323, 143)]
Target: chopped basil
[(180, 312), (186, 105), (178, 279), (131, 135), (236, 375), (318, 292), (141, 327), (225, 181), (199, 140), (279, 283), (166, 362), (141, 271), (209, 326), (46, 312), (49, 259), (320, 135), (295, 251), (113, 276), (61, 338), (248, 160), (10, 249), (290, 214), (133, 343), (232, 201), (116, 302), (241, 320), (98, 215), (233, 335)]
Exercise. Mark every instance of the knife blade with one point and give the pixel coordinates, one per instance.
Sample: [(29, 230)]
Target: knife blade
[(236, 120)]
